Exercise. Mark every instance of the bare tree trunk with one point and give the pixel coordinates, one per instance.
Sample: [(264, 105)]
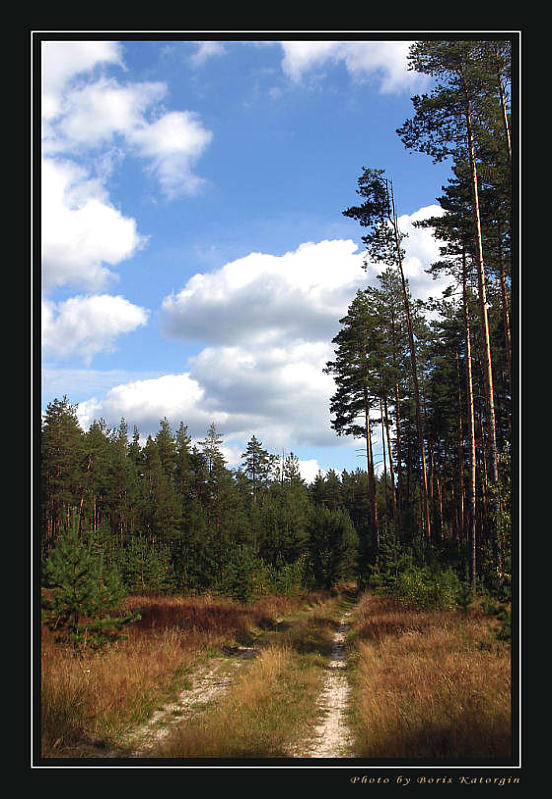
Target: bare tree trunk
[(503, 106), (471, 432), (419, 423), (391, 468), (398, 427), (461, 509), (371, 477), (388, 503), (505, 306), (487, 362)]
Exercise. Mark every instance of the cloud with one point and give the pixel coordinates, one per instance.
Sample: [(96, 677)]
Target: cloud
[(271, 300), (85, 326), (281, 396), (95, 112), (205, 51), (62, 61), (82, 232), (384, 61), (145, 402), (422, 249), (83, 116), (172, 144), (267, 298), (308, 469)]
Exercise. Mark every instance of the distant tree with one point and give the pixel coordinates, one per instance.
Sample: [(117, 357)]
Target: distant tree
[(166, 447), (257, 466), (160, 510)]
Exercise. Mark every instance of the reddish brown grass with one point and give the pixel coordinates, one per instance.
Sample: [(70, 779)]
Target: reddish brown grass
[(430, 684), (93, 697)]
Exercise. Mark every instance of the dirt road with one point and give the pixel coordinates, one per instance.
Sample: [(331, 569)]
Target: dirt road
[(329, 735), (332, 737)]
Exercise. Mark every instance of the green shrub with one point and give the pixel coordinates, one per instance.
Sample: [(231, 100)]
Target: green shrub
[(419, 586)]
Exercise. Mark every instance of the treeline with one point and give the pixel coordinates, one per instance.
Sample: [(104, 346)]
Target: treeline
[(435, 377), (172, 516)]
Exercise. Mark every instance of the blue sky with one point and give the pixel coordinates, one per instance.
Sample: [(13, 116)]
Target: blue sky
[(196, 260)]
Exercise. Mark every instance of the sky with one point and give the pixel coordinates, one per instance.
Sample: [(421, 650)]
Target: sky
[(195, 258)]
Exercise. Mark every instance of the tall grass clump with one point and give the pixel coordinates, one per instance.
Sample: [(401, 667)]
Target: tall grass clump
[(429, 684)]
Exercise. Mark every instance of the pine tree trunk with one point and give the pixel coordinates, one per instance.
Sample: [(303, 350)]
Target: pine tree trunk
[(371, 478), (419, 424), (398, 428), (391, 468), (386, 483), (472, 539), (487, 362), (505, 306), (461, 498), (503, 108)]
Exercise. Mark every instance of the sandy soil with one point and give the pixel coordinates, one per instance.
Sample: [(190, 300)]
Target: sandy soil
[(209, 683), (332, 737)]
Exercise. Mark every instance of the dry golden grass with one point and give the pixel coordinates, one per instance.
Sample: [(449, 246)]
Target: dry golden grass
[(429, 684), (251, 721), (94, 697)]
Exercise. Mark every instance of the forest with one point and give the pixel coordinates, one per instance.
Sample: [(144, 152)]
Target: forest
[(433, 380)]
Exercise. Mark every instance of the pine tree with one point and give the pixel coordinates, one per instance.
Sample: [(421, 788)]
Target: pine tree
[(446, 123), (353, 371), (257, 466), (333, 543), (384, 245), (80, 591), (62, 467)]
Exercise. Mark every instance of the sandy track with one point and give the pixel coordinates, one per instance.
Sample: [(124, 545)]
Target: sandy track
[(332, 737), (210, 682)]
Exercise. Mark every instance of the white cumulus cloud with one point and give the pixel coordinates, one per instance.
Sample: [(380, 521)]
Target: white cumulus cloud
[(83, 234), (266, 323), (384, 61), (268, 298), (63, 61), (145, 402), (88, 113), (87, 325)]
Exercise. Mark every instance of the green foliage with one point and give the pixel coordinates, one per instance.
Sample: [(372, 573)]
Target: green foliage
[(392, 560), (80, 590), (421, 587), (465, 596), (498, 603), (333, 546), (145, 567), (240, 575), (286, 579)]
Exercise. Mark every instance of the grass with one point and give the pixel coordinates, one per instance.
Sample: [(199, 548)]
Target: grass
[(428, 684), (93, 699)]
